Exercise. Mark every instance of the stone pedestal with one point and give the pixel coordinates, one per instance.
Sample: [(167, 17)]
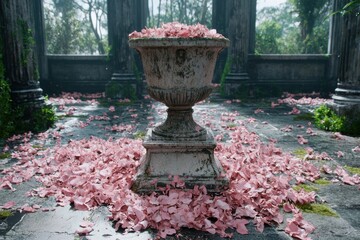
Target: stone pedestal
[(179, 73), (193, 161)]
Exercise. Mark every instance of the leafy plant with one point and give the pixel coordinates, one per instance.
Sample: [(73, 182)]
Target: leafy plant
[(328, 120), (44, 118), (350, 7)]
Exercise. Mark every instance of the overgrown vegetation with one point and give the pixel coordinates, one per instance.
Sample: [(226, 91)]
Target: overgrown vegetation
[(326, 119), (17, 119)]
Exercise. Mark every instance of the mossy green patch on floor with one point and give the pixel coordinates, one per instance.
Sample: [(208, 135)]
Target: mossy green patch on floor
[(5, 214), (299, 153), (322, 181), (5, 155), (231, 125), (353, 170), (304, 117), (316, 208), (139, 135), (305, 187)]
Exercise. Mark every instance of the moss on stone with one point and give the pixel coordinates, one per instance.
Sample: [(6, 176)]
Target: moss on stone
[(322, 181), (316, 208), (5, 214), (231, 125), (353, 170), (300, 153), (305, 187), (5, 155), (139, 135)]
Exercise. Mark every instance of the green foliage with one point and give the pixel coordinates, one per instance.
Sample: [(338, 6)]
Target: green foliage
[(76, 28), (188, 12), (6, 121), (278, 32), (268, 35), (327, 120), (27, 40), (320, 209), (43, 118), (350, 7)]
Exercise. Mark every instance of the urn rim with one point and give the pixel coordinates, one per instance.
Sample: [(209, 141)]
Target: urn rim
[(179, 42)]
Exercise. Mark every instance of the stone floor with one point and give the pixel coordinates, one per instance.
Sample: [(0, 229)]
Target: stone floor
[(62, 223)]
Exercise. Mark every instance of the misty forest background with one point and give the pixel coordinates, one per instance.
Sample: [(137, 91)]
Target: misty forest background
[(292, 27)]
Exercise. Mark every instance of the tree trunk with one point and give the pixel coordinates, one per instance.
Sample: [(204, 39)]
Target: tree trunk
[(99, 42)]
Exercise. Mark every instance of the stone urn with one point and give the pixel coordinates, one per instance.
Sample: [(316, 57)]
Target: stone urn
[(179, 73)]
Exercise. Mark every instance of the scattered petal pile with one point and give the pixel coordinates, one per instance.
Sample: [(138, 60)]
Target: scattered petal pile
[(176, 30), (92, 172)]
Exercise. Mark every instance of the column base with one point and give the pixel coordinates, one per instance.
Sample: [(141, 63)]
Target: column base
[(193, 161), (31, 98), (235, 81), (122, 85), (347, 95)]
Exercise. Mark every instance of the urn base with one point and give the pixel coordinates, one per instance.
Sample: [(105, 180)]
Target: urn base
[(193, 161)]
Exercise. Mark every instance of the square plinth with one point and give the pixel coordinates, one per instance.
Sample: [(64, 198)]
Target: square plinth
[(193, 161)]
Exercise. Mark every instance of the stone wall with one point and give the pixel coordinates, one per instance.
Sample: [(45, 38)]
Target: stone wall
[(76, 73), (270, 75), (281, 72)]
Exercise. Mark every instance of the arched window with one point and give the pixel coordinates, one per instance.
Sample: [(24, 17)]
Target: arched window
[(292, 26), (76, 26)]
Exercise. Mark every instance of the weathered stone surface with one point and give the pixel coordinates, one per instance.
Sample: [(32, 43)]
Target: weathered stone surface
[(179, 73), (192, 161)]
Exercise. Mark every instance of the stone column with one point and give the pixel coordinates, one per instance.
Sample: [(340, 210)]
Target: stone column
[(347, 92), (334, 47), (238, 24), (124, 17), (41, 44), (17, 23)]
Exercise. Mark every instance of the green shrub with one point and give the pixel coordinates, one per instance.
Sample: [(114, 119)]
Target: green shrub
[(326, 119)]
